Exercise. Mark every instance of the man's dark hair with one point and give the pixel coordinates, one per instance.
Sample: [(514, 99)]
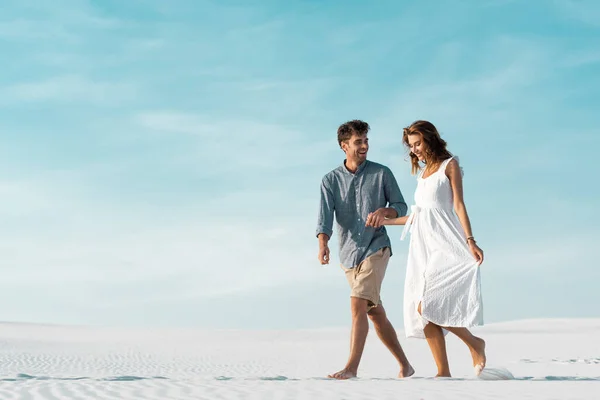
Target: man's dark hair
[(346, 130)]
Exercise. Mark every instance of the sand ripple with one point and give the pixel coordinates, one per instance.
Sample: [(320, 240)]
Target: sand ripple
[(55, 362)]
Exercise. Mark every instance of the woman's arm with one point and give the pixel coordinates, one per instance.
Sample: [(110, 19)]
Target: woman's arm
[(395, 221), (454, 175)]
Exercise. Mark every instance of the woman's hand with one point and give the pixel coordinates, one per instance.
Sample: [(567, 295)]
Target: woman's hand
[(476, 252), (385, 221), (376, 218)]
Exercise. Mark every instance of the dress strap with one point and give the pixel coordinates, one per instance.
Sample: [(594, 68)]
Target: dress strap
[(445, 164), (447, 161)]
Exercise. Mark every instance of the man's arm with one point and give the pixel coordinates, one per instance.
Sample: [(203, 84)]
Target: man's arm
[(325, 221), (396, 206), (393, 195)]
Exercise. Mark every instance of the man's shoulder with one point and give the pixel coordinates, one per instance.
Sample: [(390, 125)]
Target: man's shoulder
[(378, 167), (333, 174)]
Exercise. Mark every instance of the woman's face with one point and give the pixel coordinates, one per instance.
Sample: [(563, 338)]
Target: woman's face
[(417, 145)]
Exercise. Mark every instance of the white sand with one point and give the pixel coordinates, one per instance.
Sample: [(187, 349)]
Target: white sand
[(550, 359)]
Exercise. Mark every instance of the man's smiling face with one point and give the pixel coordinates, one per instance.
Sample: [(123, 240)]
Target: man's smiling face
[(356, 148)]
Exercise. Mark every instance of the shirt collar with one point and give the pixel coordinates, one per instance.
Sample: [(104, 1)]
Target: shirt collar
[(361, 167)]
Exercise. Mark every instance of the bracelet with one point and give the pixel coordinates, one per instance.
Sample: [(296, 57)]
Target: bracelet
[(471, 238)]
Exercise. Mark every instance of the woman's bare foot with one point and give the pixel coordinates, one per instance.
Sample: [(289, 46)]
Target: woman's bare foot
[(406, 372), (478, 354), (343, 374), (444, 375)]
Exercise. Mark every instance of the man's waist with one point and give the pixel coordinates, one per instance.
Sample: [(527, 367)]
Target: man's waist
[(352, 253)]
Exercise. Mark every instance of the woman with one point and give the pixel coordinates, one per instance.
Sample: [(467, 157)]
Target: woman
[(442, 289)]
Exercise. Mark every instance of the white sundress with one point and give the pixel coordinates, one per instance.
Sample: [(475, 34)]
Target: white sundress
[(441, 272)]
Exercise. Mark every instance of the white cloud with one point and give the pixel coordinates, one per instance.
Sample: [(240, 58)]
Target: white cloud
[(582, 58), (62, 20), (175, 122), (30, 30), (585, 11), (236, 142), (547, 254), (69, 88), (69, 243), (494, 95), (19, 198)]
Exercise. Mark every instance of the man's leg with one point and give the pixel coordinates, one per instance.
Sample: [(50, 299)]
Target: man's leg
[(388, 336), (358, 337)]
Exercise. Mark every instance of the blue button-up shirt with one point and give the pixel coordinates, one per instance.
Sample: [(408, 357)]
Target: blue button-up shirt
[(351, 197)]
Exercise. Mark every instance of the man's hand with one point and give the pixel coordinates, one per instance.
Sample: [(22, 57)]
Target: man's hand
[(376, 218), (323, 249), (324, 254)]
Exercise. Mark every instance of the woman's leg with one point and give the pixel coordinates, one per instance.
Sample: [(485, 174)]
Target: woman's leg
[(437, 344), (476, 346)]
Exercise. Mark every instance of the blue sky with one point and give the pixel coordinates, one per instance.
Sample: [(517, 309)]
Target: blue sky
[(160, 161)]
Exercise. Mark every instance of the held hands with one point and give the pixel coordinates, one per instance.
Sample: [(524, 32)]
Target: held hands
[(476, 251), (377, 218)]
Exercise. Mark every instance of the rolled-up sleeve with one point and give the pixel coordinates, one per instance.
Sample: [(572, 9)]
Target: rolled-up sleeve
[(393, 194), (326, 209)]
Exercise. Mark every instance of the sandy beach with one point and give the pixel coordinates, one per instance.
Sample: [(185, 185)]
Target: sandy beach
[(549, 359)]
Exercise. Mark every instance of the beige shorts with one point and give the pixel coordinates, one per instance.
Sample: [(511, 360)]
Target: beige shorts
[(366, 278)]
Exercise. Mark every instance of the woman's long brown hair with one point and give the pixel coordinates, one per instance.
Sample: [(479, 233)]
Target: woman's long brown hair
[(435, 146)]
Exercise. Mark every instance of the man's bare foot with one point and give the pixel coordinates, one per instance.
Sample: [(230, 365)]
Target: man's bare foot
[(343, 374), (410, 371), (478, 354)]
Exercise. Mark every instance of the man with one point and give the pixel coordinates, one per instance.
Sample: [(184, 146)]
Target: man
[(361, 194)]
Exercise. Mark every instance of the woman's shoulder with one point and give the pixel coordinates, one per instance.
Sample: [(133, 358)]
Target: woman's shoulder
[(453, 165), (454, 161)]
